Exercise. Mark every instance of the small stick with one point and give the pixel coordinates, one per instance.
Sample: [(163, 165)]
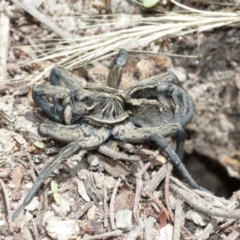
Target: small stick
[(139, 186), (144, 169), (167, 190), (210, 196), (35, 230), (33, 167), (178, 220), (105, 206), (5, 196), (30, 8), (115, 155), (203, 206), (80, 212), (224, 225), (207, 230), (131, 149), (112, 203), (159, 203), (234, 235), (156, 180), (115, 233)]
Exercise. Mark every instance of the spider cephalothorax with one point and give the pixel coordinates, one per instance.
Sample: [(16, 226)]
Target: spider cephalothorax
[(154, 109)]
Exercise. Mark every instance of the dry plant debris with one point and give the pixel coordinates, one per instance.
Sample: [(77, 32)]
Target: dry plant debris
[(210, 75)]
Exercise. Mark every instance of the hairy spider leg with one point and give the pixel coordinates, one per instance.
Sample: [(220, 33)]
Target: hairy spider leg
[(50, 109), (116, 69), (59, 76), (156, 134), (91, 142)]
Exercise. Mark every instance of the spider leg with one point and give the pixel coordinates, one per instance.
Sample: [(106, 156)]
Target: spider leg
[(116, 69), (175, 130), (139, 135), (100, 136), (71, 133), (66, 133), (59, 76), (54, 110)]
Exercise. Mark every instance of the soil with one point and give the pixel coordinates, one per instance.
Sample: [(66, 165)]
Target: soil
[(212, 147)]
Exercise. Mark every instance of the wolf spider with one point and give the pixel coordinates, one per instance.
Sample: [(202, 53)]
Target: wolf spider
[(89, 116)]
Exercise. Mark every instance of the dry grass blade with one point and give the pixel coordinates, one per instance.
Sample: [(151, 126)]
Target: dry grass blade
[(143, 31)]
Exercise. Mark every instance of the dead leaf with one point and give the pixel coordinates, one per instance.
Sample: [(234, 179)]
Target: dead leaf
[(17, 176)]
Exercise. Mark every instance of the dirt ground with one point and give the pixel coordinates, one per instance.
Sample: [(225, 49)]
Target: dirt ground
[(99, 199)]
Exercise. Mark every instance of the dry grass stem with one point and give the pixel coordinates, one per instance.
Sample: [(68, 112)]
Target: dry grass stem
[(30, 8), (143, 31), (178, 220), (159, 204), (81, 212), (167, 190), (203, 206), (207, 231), (105, 205), (111, 207), (156, 180), (7, 205), (139, 186)]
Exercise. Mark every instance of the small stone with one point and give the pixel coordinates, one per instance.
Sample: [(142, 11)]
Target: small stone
[(93, 160), (62, 230), (196, 217), (110, 182), (82, 191), (124, 219), (98, 179), (91, 213), (62, 209), (165, 233)]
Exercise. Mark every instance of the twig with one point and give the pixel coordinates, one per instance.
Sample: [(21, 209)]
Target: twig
[(139, 186), (90, 193), (112, 203), (167, 190), (33, 167), (144, 169), (156, 180), (234, 234), (207, 230), (224, 225), (203, 206), (130, 148), (212, 197), (178, 220), (4, 39), (8, 212), (115, 155), (30, 8), (159, 203), (35, 230), (44, 203), (80, 212), (115, 233), (105, 206)]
